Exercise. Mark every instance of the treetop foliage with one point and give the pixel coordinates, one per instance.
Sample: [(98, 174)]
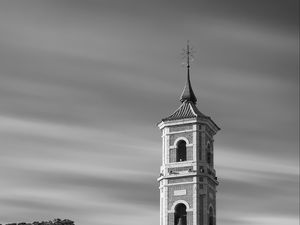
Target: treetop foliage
[(53, 222)]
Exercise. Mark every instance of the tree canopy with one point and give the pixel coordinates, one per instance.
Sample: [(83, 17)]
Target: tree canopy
[(51, 222)]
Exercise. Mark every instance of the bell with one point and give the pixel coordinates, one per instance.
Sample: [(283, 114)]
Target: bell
[(180, 221)]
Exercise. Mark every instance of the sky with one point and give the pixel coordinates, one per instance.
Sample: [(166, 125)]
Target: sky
[(83, 84)]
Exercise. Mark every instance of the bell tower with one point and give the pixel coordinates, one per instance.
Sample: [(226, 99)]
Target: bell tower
[(188, 179)]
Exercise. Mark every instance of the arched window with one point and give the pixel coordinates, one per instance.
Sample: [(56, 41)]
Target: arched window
[(181, 151), (211, 216), (180, 214)]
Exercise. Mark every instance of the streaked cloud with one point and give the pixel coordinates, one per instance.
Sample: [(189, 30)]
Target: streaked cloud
[(83, 84)]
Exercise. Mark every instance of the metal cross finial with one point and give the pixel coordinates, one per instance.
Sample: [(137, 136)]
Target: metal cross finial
[(188, 54)]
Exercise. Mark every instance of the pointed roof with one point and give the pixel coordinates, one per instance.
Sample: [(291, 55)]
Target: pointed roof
[(188, 93), (188, 109), (185, 111)]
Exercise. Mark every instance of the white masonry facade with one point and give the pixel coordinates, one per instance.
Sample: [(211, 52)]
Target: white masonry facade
[(188, 179)]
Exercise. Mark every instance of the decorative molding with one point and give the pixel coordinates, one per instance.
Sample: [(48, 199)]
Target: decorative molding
[(178, 202), (179, 192)]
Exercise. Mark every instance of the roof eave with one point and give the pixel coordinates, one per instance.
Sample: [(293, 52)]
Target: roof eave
[(182, 121)]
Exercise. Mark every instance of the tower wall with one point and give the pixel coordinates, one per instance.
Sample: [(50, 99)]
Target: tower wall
[(191, 182)]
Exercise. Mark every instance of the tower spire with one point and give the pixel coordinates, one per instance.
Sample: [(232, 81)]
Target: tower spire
[(188, 93)]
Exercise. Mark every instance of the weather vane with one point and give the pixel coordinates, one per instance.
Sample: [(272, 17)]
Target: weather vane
[(188, 54)]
